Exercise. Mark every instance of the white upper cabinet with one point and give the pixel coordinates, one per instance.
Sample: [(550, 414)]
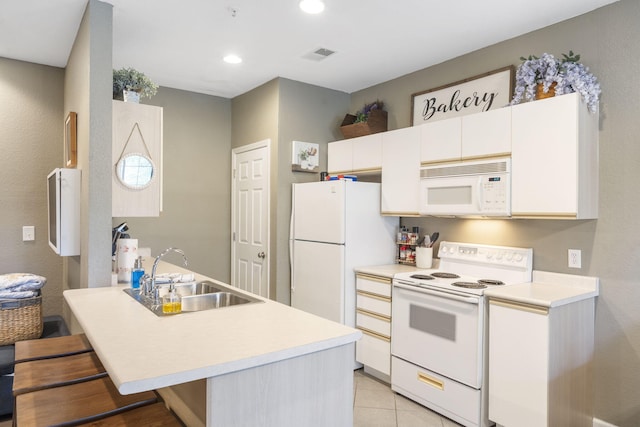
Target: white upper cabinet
[(340, 156), (554, 159), (486, 134), (474, 136), (441, 141), (361, 154), (136, 156), (367, 153), (401, 171)]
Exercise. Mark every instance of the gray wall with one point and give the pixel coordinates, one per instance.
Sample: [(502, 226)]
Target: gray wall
[(286, 111), (608, 40), (197, 184), (87, 89), (31, 125)]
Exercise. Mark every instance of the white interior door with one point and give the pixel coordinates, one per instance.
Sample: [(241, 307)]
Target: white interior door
[(250, 218)]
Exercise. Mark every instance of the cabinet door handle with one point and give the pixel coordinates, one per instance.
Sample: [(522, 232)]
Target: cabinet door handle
[(384, 280), (520, 306)]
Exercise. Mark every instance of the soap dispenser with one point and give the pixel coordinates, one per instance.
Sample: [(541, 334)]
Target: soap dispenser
[(172, 301), (137, 273)]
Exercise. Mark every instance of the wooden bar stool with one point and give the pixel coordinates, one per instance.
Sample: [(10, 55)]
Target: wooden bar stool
[(155, 415), (75, 404), (46, 373), (48, 348)]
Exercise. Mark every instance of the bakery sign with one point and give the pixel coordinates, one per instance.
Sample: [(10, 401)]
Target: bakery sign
[(480, 93)]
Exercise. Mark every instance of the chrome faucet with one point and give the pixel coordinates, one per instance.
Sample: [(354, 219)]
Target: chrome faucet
[(148, 283)]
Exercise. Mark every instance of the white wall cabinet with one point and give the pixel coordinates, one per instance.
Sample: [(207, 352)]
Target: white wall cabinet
[(486, 134), (540, 364), (474, 136), (373, 318), (146, 139), (401, 172), (554, 159), (441, 141), (361, 154), (340, 156)]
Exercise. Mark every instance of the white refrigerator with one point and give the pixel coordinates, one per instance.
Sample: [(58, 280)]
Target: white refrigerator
[(335, 227)]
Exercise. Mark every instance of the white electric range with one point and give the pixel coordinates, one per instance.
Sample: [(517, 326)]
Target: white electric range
[(438, 346)]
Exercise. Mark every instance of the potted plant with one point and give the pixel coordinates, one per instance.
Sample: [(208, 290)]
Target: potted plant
[(370, 119), (546, 76), (130, 85)]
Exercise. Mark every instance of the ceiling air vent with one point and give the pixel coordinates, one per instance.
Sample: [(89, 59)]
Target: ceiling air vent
[(319, 54)]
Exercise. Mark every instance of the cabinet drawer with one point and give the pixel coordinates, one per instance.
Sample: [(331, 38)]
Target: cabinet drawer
[(373, 322), (374, 284), (373, 303), (435, 391), (374, 352)]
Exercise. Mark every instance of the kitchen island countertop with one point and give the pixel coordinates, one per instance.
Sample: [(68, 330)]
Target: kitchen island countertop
[(142, 351)]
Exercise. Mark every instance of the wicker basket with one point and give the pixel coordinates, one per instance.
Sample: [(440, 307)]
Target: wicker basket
[(377, 122), (20, 319)]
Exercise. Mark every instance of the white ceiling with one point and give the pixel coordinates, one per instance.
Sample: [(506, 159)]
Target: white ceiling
[(180, 43)]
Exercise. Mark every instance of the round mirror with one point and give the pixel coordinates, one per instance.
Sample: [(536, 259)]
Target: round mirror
[(135, 171)]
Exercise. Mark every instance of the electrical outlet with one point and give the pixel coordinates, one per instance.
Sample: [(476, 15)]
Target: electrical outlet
[(28, 233), (575, 258)]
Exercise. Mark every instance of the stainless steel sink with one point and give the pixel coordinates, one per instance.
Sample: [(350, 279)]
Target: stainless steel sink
[(196, 296), (214, 300), (192, 288)]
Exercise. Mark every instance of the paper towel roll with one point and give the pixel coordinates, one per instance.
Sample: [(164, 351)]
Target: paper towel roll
[(126, 255)]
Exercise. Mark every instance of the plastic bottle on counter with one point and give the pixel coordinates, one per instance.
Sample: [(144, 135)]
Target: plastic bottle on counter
[(172, 301), (136, 273)]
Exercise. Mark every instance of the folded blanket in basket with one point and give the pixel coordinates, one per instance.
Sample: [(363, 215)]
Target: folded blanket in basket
[(20, 285)]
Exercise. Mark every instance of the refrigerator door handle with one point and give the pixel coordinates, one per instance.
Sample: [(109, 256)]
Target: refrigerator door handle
[(293, 193)]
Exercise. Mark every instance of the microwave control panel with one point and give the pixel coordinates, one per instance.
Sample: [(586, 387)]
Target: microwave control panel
[(495, 193)]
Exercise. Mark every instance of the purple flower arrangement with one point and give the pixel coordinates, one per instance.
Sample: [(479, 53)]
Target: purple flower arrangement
[(363, 114), (567, 73)]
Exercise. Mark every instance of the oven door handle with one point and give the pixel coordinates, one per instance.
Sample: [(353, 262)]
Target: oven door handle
[(441, 294)]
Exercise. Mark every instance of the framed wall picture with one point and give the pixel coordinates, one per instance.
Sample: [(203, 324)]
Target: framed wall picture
[(70, 140), (485, 92), (305, 157)]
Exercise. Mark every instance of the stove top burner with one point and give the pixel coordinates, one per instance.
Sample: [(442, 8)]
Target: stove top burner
[(469, 285), (421, 277), (491, 282), (442, 275)]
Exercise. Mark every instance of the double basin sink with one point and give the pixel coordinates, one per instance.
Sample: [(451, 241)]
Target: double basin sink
[(196, 296)]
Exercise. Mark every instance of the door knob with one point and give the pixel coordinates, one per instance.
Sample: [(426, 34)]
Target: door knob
[(262, 255)]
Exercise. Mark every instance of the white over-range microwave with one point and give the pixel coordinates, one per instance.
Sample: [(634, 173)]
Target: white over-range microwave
[(473, 188)]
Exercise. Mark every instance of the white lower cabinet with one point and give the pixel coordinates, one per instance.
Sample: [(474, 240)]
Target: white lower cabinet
[(540, 364), (373, 318)]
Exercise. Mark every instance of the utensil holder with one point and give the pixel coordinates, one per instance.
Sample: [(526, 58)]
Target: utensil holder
[(424, 257)]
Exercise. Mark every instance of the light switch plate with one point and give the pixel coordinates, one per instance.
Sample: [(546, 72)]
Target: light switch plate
[(28, 233)]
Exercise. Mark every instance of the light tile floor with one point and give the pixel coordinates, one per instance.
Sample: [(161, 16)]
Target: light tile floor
[(376, 405)]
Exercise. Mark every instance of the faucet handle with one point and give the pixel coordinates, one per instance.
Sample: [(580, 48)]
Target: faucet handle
[(145, 284)]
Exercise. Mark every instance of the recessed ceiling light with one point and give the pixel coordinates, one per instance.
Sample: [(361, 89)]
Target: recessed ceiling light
[(232, 59), (312, 6)]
